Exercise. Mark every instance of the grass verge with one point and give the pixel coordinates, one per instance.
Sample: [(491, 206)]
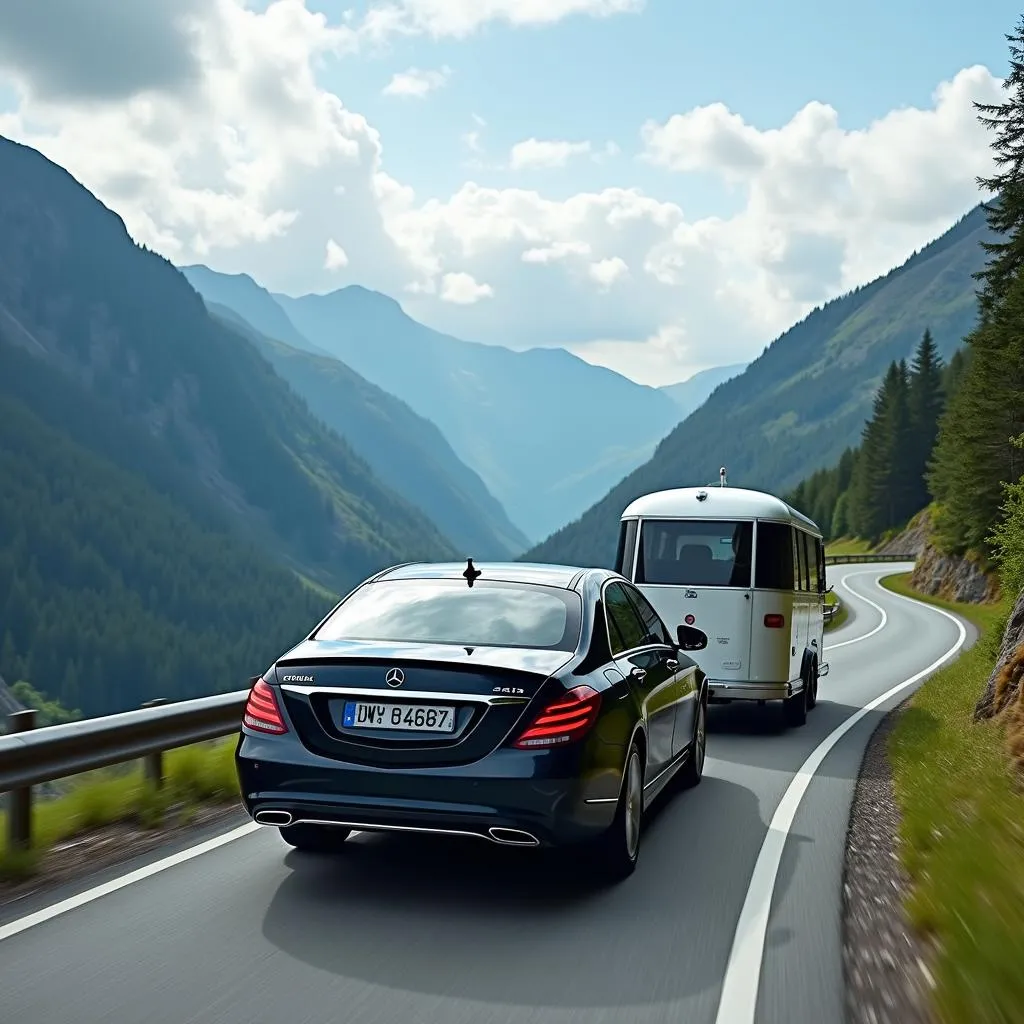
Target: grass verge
[(847, 546), (962, 831), (203, 773)]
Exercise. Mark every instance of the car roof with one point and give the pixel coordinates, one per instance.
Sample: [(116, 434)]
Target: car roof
[(563, 576)]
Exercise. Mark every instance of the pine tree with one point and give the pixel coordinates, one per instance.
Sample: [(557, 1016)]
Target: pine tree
[(974, 455), (926, 403), (1005, 214), (867, 512), (898, 481)]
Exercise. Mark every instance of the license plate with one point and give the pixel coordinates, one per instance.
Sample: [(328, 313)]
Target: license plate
[(412, 718)]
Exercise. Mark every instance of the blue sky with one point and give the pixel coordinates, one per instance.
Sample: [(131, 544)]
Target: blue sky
[(600, 79), (707, 270)]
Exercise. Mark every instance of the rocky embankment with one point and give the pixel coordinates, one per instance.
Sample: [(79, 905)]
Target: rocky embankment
[(953, 577), (1004, 693)]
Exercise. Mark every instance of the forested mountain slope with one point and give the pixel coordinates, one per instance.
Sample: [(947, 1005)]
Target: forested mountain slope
[(160, 482), (805, 399), (406, 451)]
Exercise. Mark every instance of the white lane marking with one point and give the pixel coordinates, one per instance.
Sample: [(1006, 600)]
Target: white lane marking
[(738, 1004), (74, 902), (867, 600)]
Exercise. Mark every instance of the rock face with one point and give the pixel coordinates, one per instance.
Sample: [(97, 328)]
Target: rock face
[(953, 577), (912, 541), (1004, 684)]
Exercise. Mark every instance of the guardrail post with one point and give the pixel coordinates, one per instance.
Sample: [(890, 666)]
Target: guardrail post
[(153, 764), (19, 817)]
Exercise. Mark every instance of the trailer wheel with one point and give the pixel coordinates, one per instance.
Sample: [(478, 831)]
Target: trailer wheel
[(812, 685)]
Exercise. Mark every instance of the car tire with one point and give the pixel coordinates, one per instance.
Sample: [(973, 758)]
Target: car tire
[(315, 838), (618, 849), (812, 685), (692, 770), (794, 709)]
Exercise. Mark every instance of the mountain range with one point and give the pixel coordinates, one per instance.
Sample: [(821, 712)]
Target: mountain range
[(805, 399), (194, 467), (693, 392), (406, 451), (504, 413)]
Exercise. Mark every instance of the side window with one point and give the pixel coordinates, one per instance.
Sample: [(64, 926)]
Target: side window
[(627, 548), (654, 628), (625, 629), (800, 559), (774, 560), (822, 581), (813, 560)]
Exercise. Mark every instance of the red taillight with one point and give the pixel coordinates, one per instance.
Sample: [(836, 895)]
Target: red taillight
[(565, 719), (262, 712), (775, 621)]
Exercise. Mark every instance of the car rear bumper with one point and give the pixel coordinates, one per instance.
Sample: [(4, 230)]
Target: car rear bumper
[(720, 691), (508, 790)]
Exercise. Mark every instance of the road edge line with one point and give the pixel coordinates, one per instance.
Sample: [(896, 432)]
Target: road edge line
[(22, 924), (742, 979), (867, 600)]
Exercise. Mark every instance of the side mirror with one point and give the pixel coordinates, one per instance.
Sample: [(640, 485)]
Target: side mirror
[(691, 639)]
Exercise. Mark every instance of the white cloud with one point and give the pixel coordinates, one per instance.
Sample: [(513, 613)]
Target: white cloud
[(463, 289), (252, 166), (336, 257), (533, 153), (558, 251), (606, 272), (461, 18), (415, 83)]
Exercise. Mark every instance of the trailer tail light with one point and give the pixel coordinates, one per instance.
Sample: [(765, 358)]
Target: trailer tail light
[(775, 621)]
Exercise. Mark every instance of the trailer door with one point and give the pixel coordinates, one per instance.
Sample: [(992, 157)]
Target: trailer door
[(697, 572)]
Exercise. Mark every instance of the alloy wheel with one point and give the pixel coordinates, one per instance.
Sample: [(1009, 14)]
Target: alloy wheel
[(634, 804)]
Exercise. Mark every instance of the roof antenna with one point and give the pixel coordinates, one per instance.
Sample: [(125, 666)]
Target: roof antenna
[(721, 477), (471, 573)]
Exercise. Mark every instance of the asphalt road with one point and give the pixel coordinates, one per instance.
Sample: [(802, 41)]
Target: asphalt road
[(401, 930)]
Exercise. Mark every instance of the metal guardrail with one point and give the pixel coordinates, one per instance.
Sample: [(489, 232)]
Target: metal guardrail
[(867, 559), (830, 611), (30, 756)]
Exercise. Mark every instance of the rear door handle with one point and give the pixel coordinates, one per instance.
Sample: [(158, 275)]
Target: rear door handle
[(639, 674)]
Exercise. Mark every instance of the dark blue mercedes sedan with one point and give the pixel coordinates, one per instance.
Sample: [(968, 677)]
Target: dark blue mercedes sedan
[(524, 704)]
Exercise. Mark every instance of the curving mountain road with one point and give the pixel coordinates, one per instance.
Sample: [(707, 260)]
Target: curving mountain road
[(406, 930)]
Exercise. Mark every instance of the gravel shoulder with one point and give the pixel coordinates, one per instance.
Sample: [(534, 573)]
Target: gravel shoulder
[(94, 851), (884, 963)]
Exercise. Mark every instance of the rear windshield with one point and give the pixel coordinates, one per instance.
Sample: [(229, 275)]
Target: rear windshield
[(695, 552), (450, 612)]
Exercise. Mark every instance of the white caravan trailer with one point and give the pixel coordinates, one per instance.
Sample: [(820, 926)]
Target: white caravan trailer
[(747, 571)]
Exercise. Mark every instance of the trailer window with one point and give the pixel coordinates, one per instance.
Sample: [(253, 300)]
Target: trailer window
[(812, 561), (775, 561), (694, 552)]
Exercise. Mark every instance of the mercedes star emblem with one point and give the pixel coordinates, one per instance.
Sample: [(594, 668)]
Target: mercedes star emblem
[(395, 677)]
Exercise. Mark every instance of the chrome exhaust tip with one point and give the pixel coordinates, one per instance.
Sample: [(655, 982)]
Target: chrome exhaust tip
[(512, 837), (279, 818)]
